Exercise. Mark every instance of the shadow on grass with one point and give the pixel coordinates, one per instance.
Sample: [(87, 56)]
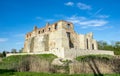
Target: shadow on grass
[(6, 72), (94, 68)]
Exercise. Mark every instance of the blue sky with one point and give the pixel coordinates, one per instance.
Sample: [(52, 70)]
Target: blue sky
[(17, 17)]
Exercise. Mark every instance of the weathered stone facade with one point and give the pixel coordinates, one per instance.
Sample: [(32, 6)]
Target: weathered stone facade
[(58, 38)]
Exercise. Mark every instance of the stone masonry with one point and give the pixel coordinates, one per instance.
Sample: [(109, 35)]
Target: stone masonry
[(61, 39)]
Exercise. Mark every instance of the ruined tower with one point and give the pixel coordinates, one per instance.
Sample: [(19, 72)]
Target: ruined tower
[(57, 36)]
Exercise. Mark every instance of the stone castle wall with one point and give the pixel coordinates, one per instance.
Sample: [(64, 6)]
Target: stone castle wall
[(73, 53), (68, 53), (60, 39)]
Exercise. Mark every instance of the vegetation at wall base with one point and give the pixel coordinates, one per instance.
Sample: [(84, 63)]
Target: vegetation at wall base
[(97, 57), (114, 46), (17, 61), (12, 73), (40, 65)]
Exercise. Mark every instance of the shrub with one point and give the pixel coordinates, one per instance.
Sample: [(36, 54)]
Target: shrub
[(98, 57), (35, 63)]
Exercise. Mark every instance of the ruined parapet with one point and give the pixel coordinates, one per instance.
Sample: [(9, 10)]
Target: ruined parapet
[(35, 28), (58, 35), (90, 43)]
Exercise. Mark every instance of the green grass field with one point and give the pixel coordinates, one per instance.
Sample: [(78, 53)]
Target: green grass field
[(98, 57), (8, 64), (12, 73)]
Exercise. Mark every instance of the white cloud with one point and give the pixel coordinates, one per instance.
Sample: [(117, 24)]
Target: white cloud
[(102, 16), (79, 5), (59, 15), (97, 12), (19, 35), (103, 28), (83, 6), (69, 4), (38, 18), (93, 22), (6, 33), (84, 22), (19, 43), (3, 39), (74, 17), (49, 20)]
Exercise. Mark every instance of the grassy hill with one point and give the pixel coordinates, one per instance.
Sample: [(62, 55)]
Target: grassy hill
[(40, 65), (10, 73), (14, 62)]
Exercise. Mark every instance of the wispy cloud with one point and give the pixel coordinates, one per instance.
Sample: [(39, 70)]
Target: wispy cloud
[(98, 15), (97, 12), (102, 16), (6, 33), (85, 22), (19, 43), (83, 6), (59, 15), (79, 5), (44, 19), (38, 18), (19, 35), (69, 4), (3, 39), (103, 28), (49, 20)]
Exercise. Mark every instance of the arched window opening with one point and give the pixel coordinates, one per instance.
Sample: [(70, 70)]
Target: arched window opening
[(43, 31), (49, 29), (30, 35), (71, 45), (68, 26), (56, 26), (39, 32), (87, 44), (27, 35), (92, 46)]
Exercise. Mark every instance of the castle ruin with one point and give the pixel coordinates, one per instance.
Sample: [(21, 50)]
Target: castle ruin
[(56, 36), (61, 39)]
